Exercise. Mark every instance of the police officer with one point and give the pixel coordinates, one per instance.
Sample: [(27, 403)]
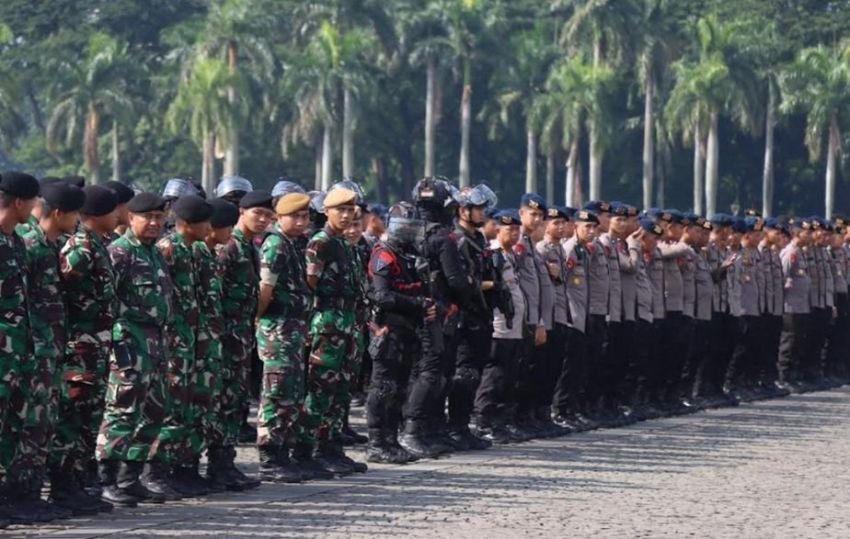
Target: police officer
[(797, 307)]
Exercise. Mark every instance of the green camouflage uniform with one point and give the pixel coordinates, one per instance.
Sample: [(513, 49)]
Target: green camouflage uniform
[(136, 399), (333, 331), (240, 285), (47, 320), (88, 284), (281, 336), (208, 381), (15, 353), (174, 443)]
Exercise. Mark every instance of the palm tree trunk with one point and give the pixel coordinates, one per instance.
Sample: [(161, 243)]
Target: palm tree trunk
[(231, 153), (347, 134), (648, 142), (92, 161), (317, 160), (550, 175), (430, 120), (379, 169), (327, 157), (116, 153), (572, 176), (768, 176), (595, 164), (208, 162), (531, 161), (661, 178), (711, 163), (831, 156), (699, 171), (465, 125)]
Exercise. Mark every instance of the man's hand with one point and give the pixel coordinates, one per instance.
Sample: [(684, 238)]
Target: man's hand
[(540, 336)]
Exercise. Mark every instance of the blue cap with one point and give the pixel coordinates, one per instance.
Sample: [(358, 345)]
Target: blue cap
[(672, 216), (378, 210), (570, 211), (533, 201), (753, 223), (649, 225), (598, 206), (586, 216), (721, 219), (739, 224), (557, 212), (507, 217), (773, 223)]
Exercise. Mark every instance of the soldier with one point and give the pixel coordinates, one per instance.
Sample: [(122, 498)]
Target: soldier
[(537, 287), (18, 192), (694, 377), (375, 227), (770, 248), (332, 330), (136, 399), (60, 205), (191, 216), (797, 307), (124, 194), (836, 348), (820, 313)]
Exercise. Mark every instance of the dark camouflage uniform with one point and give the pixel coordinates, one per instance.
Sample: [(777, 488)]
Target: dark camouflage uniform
[(136, 398), (281, 336), (47, 321), (332, 331), (15, 353), (88, 283), (240, 285), (175, 445)]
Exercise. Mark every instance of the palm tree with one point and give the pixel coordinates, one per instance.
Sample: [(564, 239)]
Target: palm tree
[(818, 82), (86, 91), (11, 122), (203, 106)]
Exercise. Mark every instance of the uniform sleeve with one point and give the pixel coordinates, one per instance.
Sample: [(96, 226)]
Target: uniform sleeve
[(629, 260), (673, 250), (787, 259), (74, 260), (316, 257), (272, 263), (452, 267), (383, 294)]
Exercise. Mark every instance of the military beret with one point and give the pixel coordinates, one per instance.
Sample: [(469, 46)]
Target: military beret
[(598, 206), (618, 208), (224, 214), (50, 179), (79, 181), (739, 224), (256, 199), (586, 216), (772, 223), (340, 197), (557, 212), (146, 202), (507, 217), (753, 223), (100, 201), (533, 201), (799, 223), (570, 211), (123, 192), (192, 209), (291, 203), (670, 216), (817, 222), (839, 221), (649, 225), (379, 210), (19, 185), (63, 197)]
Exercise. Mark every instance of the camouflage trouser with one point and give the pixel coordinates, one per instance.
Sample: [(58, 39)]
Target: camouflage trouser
[(237, 344), (11, 406), (207, 424), (280, 344), (82, 394), (173, 444), (329, 383), (136, 401), (39, 381)]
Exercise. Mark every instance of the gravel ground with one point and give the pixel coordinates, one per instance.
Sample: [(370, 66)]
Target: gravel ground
[(771, 469)]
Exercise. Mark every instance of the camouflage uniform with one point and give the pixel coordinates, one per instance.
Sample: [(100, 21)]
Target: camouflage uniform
[(333, 330), (281, 335), (240, 285), (136, 398), (47, 319), (174, 443), (88, 283), (15, 348), (207, 381)]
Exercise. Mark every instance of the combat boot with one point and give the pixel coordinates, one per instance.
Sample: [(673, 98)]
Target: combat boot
[(236, 474), (218, 468), (466, 441), (488, 429), (35, 485), (339, 451), (66, 493), (436, 434), (182, 479), (413, 440), (272, 467), (21, 506), (392, 440), (110, 491), (155, 479), (350, 436), (380, 450), (310, 470)]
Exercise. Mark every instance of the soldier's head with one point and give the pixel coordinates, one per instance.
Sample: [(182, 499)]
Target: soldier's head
[(60, 207), (340, 209), (720, 225), (772, 231), (98, 211), (18, 196), (285, 186), (147, 216), (801, 231), (405, 229), (255, 212), (532, 212), (124, 194), (673, 223), (587, 225), (293, 213), (224, 217), (602, 209), (473, 203), (650, 233), (618, 223), (433, 196), (376, 220), (556, 223), (192, 217), (355, 230), (508, 226), (753, 231)]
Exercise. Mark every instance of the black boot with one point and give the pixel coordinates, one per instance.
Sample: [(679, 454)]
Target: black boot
[(53, 511), (329, 459), (466, 441), (402, 454), (182, 479), (380, 449), (218, 470), (108, 470), (415, 441), (66, 492), (273, 468), (155, 479), (235, 474), (22, 509), (339, 451), (4, 513), (302, 457)]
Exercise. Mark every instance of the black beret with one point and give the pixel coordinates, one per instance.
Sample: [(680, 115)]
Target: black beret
[(19, 185), (79, 181), (145, 202), (47, 180), (123, 192), (63, 197), (99, 201), (256, 199), (192, 209), (224, 213)]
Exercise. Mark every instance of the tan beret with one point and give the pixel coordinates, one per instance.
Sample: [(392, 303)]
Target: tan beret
[(291, 203), (340, 197)]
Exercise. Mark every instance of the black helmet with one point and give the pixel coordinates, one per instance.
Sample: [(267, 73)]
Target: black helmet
[(478, 196), (405, 228), (432, 190)]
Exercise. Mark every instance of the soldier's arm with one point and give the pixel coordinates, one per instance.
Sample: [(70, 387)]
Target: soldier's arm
[(383, 295), (271, 268), (315, 258), (629, 260), (73, 261), (673, 250), (450, 263)]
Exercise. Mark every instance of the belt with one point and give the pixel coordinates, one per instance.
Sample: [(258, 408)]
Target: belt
[(344, 304)]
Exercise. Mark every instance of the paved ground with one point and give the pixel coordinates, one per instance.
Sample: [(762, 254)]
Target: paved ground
[(771, 469)]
